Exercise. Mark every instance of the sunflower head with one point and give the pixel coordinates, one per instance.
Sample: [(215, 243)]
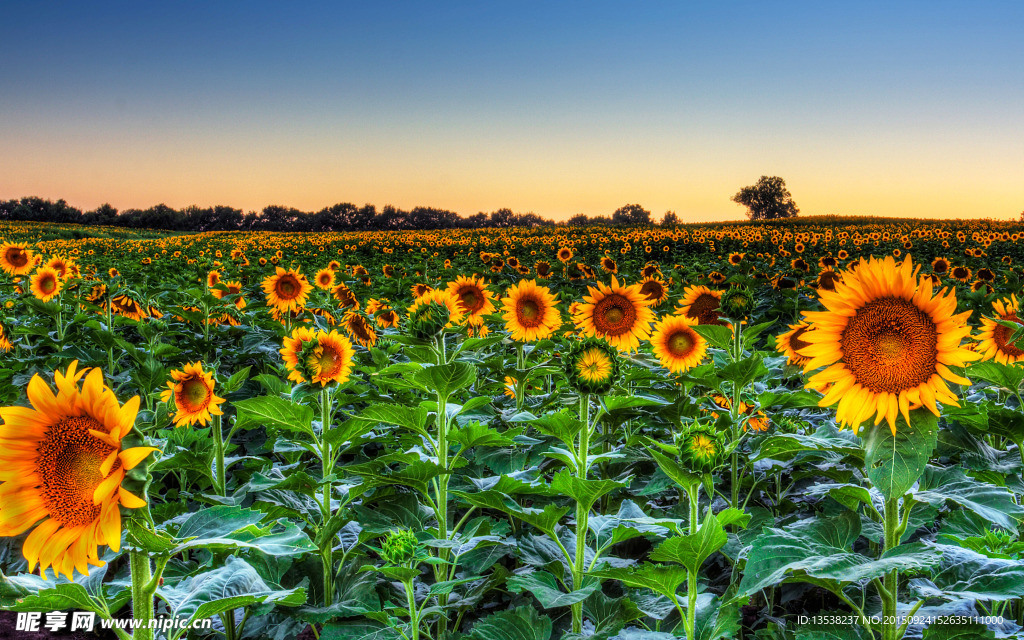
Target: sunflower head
[(16, 259), (791, 343), (701, 304), (66, 469), (677, 345), (994, 339), (616, 313), (317, 357), (359, 328), (592, 366), (530, 311), (324, 278), (702, 447), (474, 298), (46, 284), (191, 391), (433, 312), (286, 290), (654, 290), (738, 302), (399, 547)]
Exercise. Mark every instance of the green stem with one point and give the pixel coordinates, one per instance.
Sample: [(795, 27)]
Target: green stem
[(734, 410), (889, 597), (142, 595), (219, 481), (691, 577), (110, 349), (327, 550), (413, 617), (582, 514)]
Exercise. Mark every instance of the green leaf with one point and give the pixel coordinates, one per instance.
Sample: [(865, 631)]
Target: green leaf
[(63, 596), (139, 535), (895, 462), (275, 413), (692, 550), (957, 629), (994, 504), (545, 588), (962, 573), (444, 379), (362, 629), (544, 519), (745, 371), (521, 623), (1005, 375), (716, 335), (232, 586), (619, 403), (230, 527), (584, 491), (825, 441), (660, 578), (412, 418), (562, 425), (237, 379), (677, 472), (481, 435)]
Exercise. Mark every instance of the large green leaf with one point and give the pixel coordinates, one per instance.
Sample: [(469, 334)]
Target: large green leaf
[(521, 623), (562, 425), (544, 519), (232, 586), (895, 462), (692, 550), (962, 573), (993, 503), (826, 441), (444, 379), (274, 412), (957, 629), (585, 492), (660, 578), (227, 527), (544, 587), (1006, 376), (412, 418)]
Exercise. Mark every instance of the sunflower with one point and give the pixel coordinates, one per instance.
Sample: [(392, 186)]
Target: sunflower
[(324, 278), (420, 289), (286, 290), (386, 318), (530, 311), (359, 329), (828, 279), (621, 315), (543, 268), (887, 343), (963, 274), (212, 279), (46, 283), (940, 265), (191, 388), (994, 339), (5, 342), (790, 343), (592, 366), (16, 259), (124, 305), (345, 297), (608, 265), (318, 357), (474, 298), (564, 254), (678, 347), (736, 258), (701, 304), (62, 466), (231, 288), (654, 290)]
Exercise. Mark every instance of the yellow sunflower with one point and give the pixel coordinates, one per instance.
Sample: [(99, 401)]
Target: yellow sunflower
[(286, 290), (530, 311), (994, 339), (619, 314), (386, 318), (46, 284), (790, 343), (359, 328), (678, 347), (16, 259), (318, 357), (324, 278), (124, 305), (701, 304), (443, 297), (654, 290), (61, 469), (887, 343), (231, 288), (474, 298), (191, 388)]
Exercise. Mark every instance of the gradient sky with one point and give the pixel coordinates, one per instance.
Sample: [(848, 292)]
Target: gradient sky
[(897, 109)]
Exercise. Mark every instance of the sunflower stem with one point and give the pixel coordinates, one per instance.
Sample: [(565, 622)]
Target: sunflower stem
[(218, 457), (582, 514), (110, 349), (142, 593), (693, 493), (889, 593), (327, 550)]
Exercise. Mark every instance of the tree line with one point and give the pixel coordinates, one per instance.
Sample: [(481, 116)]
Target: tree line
[(340, 217)]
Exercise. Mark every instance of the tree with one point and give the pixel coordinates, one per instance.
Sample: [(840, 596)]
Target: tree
[(578, 220), (670, 219), (767, 200), (631, 214)]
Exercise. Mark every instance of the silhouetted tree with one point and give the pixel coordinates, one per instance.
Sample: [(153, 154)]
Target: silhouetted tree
[(670, 219), (767, 200), (631, 214), (578, 220), (102, 215)]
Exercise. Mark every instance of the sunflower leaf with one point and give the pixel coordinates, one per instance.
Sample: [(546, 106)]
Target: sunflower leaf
[(275, 413), (895, 462)]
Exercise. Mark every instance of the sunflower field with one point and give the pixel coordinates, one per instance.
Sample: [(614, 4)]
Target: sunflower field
[(808, 429)]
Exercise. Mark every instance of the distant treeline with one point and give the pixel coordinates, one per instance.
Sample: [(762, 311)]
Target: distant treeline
[(340, 217)]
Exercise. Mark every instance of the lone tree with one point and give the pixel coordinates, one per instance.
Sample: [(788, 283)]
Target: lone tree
[(767, 200), (631, 214)]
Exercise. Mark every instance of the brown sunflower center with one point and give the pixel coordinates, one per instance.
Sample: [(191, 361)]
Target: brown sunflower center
[(16, 257), (325, 362), (194, 395), (287, 287), (796, 342), (653, 290), (704, 309), (528, 312), (470, 300), (890, 345), (47, 284), (68, 463), (680, 343), (1001, 336), (614, 315)]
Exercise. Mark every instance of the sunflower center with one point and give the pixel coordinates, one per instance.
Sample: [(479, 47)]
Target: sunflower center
[(652, 289), (680, 343), (195, 395), (470, 300), (1001, 336), (286, 286), (68, 463), (17, 257), (593, 366), (614, 315), (704, 309), (890, 345), (529, 312)]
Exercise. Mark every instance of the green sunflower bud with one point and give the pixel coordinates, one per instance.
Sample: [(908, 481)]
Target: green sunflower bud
[(428, 320), (592, 366), (702, 448), (399, 548), (737, 303)]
